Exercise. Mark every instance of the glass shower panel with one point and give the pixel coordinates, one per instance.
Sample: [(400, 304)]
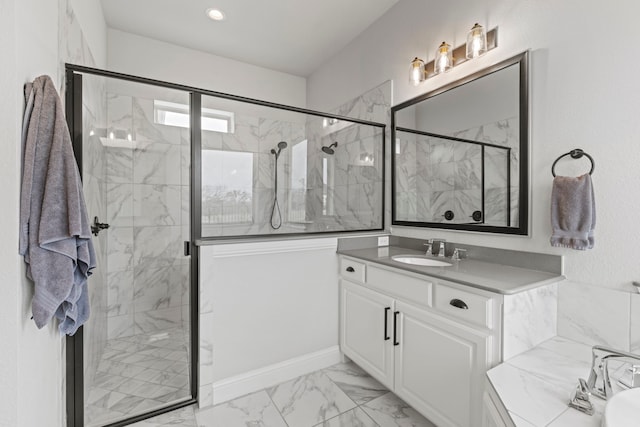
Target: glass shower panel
[(268, 170), (136, 171)]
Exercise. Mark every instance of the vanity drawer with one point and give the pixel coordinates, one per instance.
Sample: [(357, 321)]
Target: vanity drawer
[(409, 288), (353, 270), (464, 305)]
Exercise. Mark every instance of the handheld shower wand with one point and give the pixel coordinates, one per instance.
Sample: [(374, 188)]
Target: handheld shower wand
[(276, 224), (281, 146)]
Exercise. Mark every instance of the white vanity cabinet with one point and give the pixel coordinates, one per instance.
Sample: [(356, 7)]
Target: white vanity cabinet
[(428, 340)]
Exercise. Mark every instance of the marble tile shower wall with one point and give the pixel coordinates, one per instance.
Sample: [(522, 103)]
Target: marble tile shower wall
[(148, 209), (353, 197), (435, 175), (258, 135), (94, 184)]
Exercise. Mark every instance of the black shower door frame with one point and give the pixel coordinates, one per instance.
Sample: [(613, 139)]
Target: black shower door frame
[(73, 100)]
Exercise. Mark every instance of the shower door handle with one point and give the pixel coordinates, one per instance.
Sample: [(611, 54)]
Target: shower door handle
[(98, 226)]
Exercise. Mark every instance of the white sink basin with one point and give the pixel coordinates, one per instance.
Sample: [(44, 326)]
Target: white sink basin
[(623, 409), (420, 260)]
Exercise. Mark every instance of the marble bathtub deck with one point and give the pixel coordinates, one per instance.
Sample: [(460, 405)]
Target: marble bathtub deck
[(340, 396), (536, 385)]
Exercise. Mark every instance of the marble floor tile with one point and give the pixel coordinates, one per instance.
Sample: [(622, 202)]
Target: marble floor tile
[(137, 374), (309, 400), (390, 411), (356, 383), (319, 399), (353, 418), (255, 410)]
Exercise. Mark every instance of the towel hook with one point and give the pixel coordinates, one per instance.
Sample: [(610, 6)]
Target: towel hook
[(576, 153)]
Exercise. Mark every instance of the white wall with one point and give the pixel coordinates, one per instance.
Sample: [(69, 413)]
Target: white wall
[(584, 88), (40, 364), (267, 302), (9, 260), (141, 56), (32, 366)]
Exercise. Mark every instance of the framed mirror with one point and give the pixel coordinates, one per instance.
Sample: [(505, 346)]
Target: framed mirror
[(460, 153)]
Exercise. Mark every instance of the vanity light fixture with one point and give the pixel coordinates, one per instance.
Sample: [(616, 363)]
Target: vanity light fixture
[(417, 73), (215, 14), (476, 42), (444, 59)]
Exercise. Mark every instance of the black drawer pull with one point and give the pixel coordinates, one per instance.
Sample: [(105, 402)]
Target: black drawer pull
[(350, 269), (395, 328), (386, 315), (458, 303)]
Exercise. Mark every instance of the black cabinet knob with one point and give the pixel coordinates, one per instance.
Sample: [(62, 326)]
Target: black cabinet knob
[(350, 269)]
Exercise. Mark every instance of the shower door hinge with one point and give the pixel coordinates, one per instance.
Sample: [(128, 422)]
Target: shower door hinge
[(187, 248)]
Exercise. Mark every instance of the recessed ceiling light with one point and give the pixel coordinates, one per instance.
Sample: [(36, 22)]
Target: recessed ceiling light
[(215, 14)]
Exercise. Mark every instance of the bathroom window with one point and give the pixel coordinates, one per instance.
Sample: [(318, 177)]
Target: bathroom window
[(227, 187), (173, 114), (298, 193)]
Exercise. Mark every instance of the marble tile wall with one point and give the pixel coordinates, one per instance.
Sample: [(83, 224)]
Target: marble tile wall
[(355, 188), (258, 136), (146, 189), (351, 199), (436, 175), (529, 318), (595, 315)]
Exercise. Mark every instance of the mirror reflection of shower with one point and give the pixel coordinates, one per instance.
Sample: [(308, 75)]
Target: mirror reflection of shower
[(330, 149), (276, 223)]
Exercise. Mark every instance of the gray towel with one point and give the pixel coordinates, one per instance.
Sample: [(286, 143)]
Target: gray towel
[(573, 212), (55, 235)]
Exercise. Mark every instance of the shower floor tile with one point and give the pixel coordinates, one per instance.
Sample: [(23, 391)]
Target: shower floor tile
[(342, 395), (137, 374)]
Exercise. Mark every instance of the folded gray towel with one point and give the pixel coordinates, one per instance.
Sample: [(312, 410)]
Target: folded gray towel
[(55, 235), (573, 212)]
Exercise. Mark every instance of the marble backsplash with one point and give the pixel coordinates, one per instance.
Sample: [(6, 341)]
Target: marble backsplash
[(595, 315)]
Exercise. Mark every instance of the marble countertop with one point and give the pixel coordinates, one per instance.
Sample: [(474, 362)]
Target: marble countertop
[(494, 277), (535, 386)]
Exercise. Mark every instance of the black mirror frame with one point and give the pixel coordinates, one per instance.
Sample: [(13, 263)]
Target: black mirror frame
[(523, 191)]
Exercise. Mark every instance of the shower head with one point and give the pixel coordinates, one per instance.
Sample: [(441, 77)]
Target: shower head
[(281, 146), (330, 149)]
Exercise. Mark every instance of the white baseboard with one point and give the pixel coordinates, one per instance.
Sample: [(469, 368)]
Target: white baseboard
[(272, 375)]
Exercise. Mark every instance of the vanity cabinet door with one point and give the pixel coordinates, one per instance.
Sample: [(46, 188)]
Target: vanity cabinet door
[(366, 330), (440, 366)]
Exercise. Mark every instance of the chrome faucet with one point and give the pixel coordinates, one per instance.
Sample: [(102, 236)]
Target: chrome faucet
[(429, 245), (441, 248), (580, 398), (458, 254), (599, 382)]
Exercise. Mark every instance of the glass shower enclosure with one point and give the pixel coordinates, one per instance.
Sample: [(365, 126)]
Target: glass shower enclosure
[(165, 169), (136, 353)]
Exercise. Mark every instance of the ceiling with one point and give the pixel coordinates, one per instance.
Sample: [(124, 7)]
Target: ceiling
[(292, 36)]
